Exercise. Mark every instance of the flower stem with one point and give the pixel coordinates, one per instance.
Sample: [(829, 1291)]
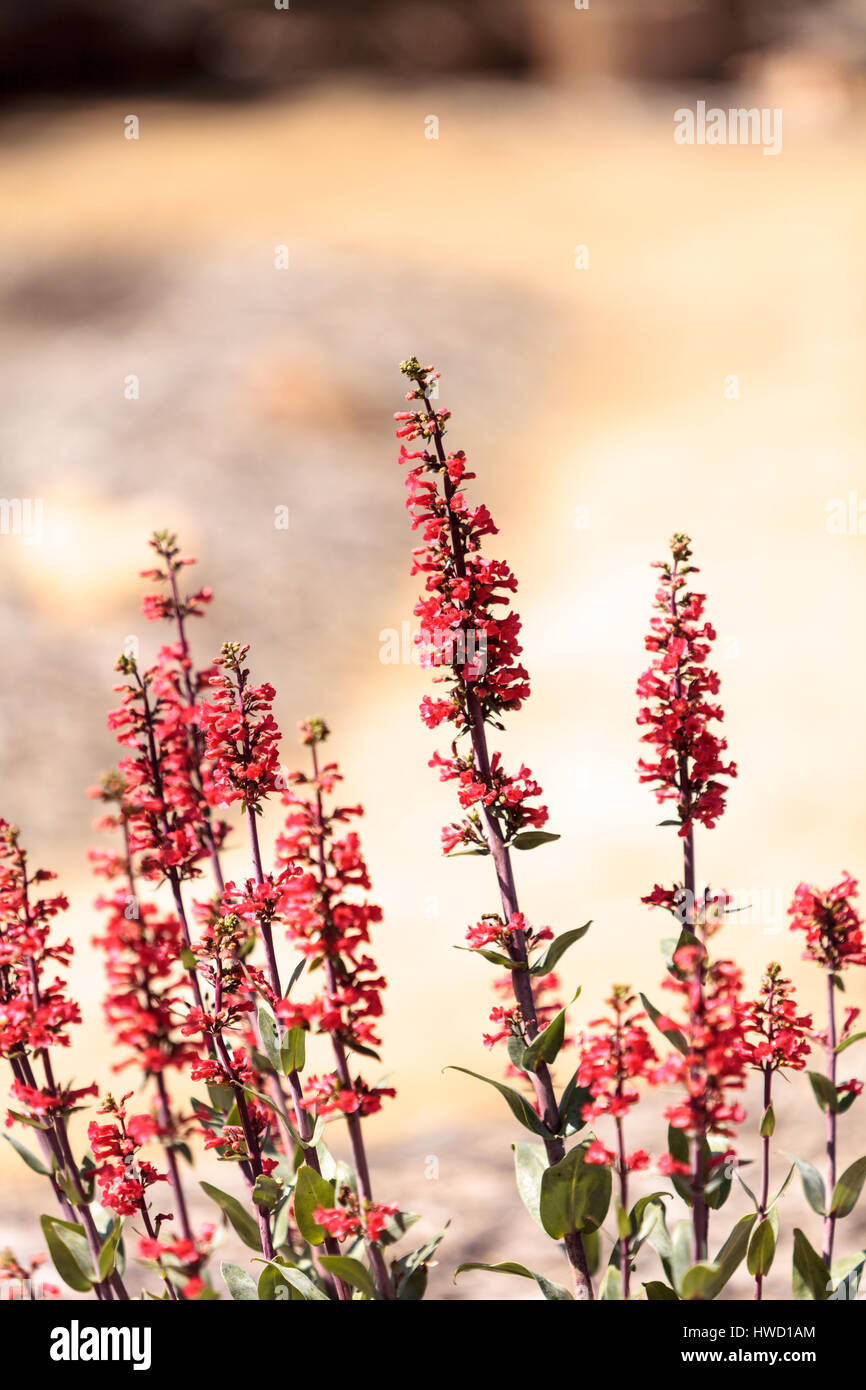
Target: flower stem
[(830, 1220), (542, 1082), (765, 1164)]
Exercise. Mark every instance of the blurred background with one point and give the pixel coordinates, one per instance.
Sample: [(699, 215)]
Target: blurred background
[(225, 225)]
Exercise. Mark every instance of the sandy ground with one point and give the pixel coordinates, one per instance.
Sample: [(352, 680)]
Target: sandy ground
[(592, 403)]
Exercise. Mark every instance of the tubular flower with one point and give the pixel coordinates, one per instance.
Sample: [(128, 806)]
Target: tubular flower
[(328, 917), (354, 1219), (241, 735), (163, 808), (833, 927), (467, 631), (712, 1063), (123, 1178), (679, 690), (781, 1034), (614, 1057)]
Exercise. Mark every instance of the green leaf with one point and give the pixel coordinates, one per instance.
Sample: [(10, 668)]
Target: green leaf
[(762, 1245), (699, 1282), (846, 1272), (311, 1191), (783, 1189), (293, 1053), (351, 1272), (575, 1195), (298, 1280), (530, 1161), (30, 1159), (545, 1046), (531, 839), (494, 957), (397, 1226), (657, 1292), (269, 1032), (610, 1288), (517, 1104), (848, 1189), (768, 1122), (266, 1192), (673, 1035), (813, 1184), (824, 1091), (70, 1253), (846, 1042), (555, 1293), (410, 1271), (187, 959), (574, 1098), (240, 1284), (557, 949), (244, 1224), (271, 1285), (733, 1250), (108, 1252), (811, 1275)]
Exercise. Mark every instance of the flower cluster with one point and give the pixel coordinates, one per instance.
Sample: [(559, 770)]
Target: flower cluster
[(678, 689), (833, 927), (466, 625), (330, 926), (355, 1218), (241, 734), (781, 1034), (711, 1063), (123, 1178), (164, 807), (611, 1061)]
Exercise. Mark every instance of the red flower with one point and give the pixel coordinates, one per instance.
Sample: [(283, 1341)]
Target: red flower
[(781, 1033), (833, 927), (679, 709)]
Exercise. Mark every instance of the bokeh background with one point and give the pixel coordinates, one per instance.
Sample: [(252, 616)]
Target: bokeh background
[(593, 392)]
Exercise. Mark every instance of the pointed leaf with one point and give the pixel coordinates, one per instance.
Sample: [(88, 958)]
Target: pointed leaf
[(244, 1224), (240, 1284), (555, 1293), (531, 839), (351, 1272), (29, 1158), (70, 1253), (673, 1035), (312, 1191), (557, 949), (811, 1275), (848, 1189), (517, 1104), (575, 1195), (813, 1184)]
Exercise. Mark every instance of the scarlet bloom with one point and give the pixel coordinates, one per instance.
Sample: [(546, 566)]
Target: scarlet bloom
[(713, 1063), (833, 927), (123, 1181), (241, 734), (775, 1035), (468, 632), (614, 1057), (679, 694), (355, 1219)]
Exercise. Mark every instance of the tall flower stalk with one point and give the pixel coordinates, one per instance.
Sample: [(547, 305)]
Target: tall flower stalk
[(775, 1037), (329, 926), (470, 633), (679, 692), (834, 941), (35, 1015), (612, 1058)]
